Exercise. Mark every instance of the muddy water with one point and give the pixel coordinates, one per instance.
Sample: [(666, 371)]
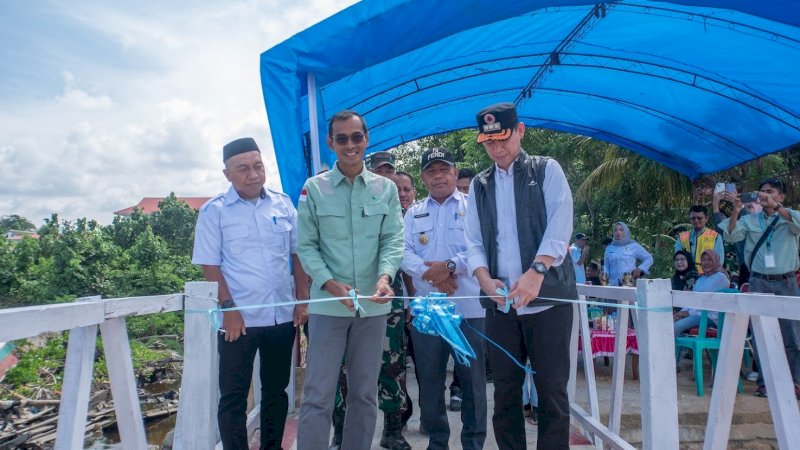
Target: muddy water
[(155, 430)]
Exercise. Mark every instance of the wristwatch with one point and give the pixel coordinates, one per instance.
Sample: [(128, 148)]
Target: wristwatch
[(539, 267), (451, 265), (228, 304)]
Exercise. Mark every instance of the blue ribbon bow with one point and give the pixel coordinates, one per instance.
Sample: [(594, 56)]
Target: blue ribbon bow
[(435, 315), (503, 291)]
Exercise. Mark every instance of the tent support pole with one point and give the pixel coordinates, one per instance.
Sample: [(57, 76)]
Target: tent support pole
[(312, 123)]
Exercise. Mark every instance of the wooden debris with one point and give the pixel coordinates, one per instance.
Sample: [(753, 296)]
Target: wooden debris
[(32, 423)]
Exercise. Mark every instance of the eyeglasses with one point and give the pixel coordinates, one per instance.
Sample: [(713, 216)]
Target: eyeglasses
[(343, 139), (693, 218)]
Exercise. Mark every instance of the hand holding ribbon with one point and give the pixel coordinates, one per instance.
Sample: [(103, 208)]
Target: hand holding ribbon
[(340, 291), (503, 292), (383, 290), (354, 298)]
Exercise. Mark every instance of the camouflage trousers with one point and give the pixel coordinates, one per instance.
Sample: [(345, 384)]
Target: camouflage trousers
[(392, 395)]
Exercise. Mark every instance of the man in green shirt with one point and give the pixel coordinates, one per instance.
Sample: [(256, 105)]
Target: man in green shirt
[(774, 263), (350, 236)]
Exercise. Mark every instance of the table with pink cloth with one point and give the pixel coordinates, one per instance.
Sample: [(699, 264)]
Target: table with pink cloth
[(603, 342)]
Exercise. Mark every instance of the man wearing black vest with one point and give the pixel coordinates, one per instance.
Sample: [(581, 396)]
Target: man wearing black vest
[(518, 227)]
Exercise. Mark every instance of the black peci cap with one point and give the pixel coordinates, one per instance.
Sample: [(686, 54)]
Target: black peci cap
[(242, 145)]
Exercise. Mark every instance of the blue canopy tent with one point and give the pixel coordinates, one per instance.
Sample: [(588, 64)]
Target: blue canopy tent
[(698, 86)]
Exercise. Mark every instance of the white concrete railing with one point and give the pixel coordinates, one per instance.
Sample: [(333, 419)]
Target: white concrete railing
[(196, 426), (655, 335), (658, 381), (196, 423), (82, 319), (763, 311)]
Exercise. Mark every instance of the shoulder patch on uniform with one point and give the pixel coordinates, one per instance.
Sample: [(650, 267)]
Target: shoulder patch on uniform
[(212, 200), (303, 195), (277, 192)]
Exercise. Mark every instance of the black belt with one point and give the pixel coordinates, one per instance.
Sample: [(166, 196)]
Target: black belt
[(778, 277)]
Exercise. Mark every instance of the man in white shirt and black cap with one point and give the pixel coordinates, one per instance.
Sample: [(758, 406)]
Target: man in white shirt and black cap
[(519, 223), (436, 258)]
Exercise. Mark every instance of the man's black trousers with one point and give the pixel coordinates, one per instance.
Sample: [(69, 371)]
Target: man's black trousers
[(274, 345), (543, 338)]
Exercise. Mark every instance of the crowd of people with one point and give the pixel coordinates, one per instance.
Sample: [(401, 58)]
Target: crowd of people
[(358, 245), (764, 234)]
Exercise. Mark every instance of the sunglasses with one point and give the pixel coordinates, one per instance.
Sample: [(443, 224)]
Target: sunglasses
[(355, 138), (693, 218)]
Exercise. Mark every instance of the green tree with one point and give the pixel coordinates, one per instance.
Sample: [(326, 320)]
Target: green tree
[(174, 222), (124, 231), (7, 271), (15, 222)]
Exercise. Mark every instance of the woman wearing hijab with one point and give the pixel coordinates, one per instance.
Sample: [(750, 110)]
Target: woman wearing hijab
[(685, 271), (713, 279), (623, 254)]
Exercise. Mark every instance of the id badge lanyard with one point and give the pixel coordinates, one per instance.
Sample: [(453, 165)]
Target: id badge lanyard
[(769, 257)]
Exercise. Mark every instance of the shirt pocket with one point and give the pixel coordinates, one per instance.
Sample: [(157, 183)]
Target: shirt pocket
[(423, 234), (234, 236), (278, 234), (455, 235), (374, 214), (332, 220)]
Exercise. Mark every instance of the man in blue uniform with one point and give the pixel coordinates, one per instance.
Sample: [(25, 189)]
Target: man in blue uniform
[(245, 241), (436, 258)]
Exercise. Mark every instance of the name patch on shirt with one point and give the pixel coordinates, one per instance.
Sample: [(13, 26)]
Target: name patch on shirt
[(419, 216)]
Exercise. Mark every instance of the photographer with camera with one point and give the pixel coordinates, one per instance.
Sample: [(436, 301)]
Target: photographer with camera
[(728, 195), (771, 252)]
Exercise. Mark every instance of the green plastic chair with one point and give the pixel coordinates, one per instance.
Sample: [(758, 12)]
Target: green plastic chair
[(702, 342)]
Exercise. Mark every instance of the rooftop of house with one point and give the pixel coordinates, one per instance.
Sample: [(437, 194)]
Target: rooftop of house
[(18, 235), (149, 205)]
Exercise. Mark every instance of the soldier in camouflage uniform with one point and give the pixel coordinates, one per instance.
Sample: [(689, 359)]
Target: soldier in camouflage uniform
[(392, 395)]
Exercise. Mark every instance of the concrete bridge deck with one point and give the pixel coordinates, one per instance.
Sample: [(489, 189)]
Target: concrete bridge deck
[(752, 427)]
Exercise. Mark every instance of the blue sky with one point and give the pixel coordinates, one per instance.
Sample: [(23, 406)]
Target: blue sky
[(103, 103)]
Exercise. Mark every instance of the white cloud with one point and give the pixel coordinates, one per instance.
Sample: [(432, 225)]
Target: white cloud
[(148, 113), (80, 99), (76, 98)]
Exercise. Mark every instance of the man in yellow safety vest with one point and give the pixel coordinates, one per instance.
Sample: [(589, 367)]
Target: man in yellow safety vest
[(700, 238)]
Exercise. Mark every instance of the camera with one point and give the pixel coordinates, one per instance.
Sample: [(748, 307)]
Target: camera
[(749, 197)]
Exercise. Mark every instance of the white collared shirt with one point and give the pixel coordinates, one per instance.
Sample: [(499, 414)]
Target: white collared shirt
[(435, 232), (555, 241), (252, 244), (575, 253)]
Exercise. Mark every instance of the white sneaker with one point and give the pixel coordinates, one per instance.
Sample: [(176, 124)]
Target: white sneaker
[(752, 376)]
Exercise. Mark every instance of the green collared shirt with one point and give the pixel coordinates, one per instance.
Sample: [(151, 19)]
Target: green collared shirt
[(349, 232), (783, 243)]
